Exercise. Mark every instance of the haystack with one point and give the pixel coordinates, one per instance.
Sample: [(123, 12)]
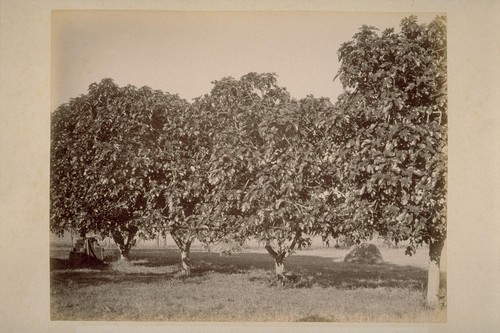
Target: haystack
[(364, 254)]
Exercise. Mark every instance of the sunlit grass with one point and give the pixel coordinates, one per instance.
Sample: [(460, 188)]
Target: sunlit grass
[(239, 288), (233, 297)]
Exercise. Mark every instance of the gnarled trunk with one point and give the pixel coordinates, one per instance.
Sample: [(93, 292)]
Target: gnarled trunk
[(280, 256), (279, 264), (433, 276), (184, 247), (124, 245), (185, 262)]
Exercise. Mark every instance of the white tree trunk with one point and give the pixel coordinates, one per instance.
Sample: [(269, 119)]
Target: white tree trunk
[(433, 284), (433, 275), (280, 271), (279, 259), (280, 268)]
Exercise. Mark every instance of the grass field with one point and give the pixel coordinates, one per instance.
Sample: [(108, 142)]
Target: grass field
[(241, 288)]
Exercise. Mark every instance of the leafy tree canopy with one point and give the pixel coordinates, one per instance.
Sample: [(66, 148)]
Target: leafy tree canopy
[(267, 168), (103, 171), (391, 131)]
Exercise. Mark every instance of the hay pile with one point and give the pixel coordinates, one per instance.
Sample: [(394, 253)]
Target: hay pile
[(364, 254)]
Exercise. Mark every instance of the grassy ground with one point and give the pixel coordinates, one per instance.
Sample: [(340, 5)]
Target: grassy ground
[(239, 288)]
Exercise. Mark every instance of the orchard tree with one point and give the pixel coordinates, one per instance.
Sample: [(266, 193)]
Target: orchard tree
[(323, 133), (391, 130), (104, 176), (288, 195), (266, 165), (183, 201), (188, 200)]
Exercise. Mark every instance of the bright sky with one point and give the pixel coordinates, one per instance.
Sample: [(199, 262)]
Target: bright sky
[(182, 52)]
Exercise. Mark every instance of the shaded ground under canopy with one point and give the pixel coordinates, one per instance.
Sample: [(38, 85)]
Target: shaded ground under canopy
[(160, 264)]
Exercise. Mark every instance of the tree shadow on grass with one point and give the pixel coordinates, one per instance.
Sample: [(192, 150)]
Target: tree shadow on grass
[(65, 264), (203, 262), (149, 266), (319, 271), (92, 273), (325, 272)]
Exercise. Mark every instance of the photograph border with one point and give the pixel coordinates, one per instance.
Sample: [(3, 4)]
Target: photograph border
[(473, 278)]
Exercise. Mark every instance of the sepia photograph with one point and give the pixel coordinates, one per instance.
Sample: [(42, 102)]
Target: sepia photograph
[(248, 166)]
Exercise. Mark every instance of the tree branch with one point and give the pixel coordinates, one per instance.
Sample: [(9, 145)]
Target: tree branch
[(298, 234), (176, 239), (270, 250)]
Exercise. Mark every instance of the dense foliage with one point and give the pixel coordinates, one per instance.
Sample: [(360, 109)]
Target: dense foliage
[(248, 161), (267, 166), (392, 154), (104, 176)]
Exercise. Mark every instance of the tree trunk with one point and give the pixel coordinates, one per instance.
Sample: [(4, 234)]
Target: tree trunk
[(280, 269), (124, 254), (186, 264), (124, 251), (279, 263), (433, 277), (123, 245), (279, 257), (184, 247)]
